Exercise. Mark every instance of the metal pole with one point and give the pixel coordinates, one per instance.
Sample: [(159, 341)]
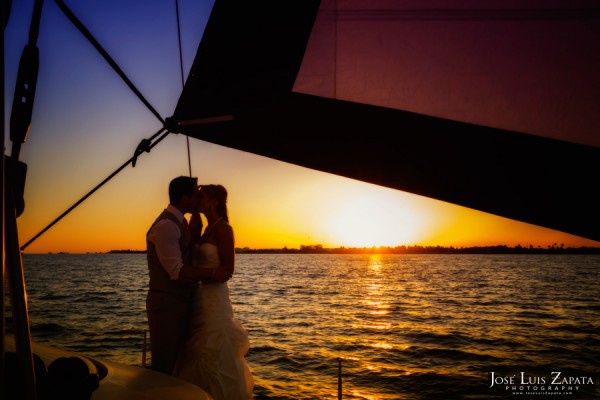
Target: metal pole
[(339, 378), (11, 257), (144, 350), (4, 11), (14, 263)]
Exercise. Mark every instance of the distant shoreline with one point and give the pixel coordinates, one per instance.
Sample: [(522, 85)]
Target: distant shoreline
[(318, 249)]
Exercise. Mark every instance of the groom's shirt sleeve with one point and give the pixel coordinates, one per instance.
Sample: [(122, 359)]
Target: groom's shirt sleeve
[(165, 236)]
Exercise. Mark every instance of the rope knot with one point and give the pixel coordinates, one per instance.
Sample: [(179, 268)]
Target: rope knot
[(144, 146)]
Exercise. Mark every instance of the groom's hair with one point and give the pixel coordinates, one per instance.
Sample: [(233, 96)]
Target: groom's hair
[(182, 186)]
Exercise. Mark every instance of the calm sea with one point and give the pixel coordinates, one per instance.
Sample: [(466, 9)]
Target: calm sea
[(400, 326)]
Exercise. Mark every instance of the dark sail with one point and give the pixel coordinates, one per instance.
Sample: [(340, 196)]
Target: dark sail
[(357, 91)]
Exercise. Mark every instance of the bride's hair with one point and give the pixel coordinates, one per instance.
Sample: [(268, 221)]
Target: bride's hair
[(218, 193)]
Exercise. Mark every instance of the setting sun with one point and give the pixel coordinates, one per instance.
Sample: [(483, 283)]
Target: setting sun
[(366, 215), (373, 218)]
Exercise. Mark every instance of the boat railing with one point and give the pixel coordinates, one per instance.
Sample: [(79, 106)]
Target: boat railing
[(144, 349)]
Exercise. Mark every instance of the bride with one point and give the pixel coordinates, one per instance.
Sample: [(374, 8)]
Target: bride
[(213, 355)]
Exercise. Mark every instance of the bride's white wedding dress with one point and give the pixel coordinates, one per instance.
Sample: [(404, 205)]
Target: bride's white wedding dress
[(213, 356)]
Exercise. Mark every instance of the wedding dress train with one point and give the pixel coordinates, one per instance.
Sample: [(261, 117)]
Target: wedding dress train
[(213, 356)]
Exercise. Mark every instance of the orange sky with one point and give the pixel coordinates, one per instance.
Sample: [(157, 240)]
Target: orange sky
[(272, 205), (86, 123)]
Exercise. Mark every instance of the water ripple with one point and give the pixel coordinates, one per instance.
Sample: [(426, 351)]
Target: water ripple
[(401, 327)]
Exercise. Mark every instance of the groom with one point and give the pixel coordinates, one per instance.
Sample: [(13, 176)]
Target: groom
[(168, 244)]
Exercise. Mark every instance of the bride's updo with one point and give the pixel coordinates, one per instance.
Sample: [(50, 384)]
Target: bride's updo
[(218, 193)]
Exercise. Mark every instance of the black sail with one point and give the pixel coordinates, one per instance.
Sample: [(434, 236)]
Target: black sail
[(490, 108)]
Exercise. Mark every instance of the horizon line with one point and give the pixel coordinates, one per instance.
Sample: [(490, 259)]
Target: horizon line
[(318, 247)]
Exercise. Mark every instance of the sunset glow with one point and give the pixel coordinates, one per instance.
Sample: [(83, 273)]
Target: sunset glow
[(373, 219), (86, 124)]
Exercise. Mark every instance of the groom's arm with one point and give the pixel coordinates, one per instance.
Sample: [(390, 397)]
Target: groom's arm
[(226, 248)]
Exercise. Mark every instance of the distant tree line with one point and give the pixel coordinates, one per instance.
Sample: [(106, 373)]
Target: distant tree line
[(499, 249)]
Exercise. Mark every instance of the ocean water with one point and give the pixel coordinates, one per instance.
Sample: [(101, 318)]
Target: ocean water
[(396, 326)]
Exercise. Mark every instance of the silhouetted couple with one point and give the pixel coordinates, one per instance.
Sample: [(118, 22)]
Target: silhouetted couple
[(193, 332)]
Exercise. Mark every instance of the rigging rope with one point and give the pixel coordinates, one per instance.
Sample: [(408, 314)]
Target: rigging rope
[(145, 146), (179, 41), (106, 56), (182, 78)]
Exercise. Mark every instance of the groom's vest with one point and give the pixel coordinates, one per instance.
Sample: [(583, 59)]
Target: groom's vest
[(159, 278)]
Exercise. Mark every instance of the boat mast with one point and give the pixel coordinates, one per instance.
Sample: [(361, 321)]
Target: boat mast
[(13, 185), (4, 11)]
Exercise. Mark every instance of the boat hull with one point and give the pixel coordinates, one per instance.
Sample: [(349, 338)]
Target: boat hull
[(119, 381)]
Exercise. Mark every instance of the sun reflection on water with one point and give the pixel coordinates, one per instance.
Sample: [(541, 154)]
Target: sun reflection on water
[(401, 325), (377, 306), (381, 345)]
